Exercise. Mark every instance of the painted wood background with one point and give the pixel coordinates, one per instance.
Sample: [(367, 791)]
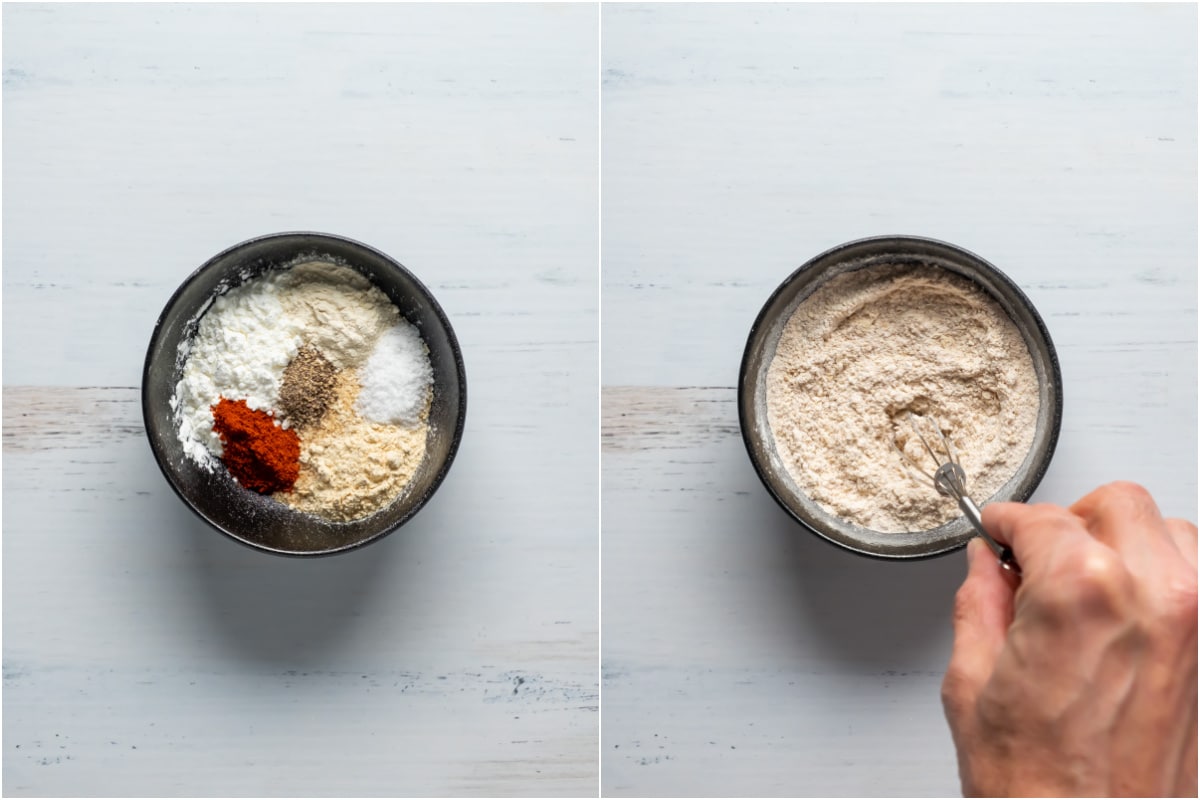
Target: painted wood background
[(741, 656), (144, 654)]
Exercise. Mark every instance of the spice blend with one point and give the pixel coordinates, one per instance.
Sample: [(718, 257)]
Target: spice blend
[(872, 345), (272, 384)]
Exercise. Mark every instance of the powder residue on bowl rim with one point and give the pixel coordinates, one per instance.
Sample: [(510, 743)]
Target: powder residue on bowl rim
[(870, 346)]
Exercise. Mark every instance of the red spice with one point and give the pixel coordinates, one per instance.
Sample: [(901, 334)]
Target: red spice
[(262, 456)]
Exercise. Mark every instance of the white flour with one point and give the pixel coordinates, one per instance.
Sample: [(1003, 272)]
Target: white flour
[(868, 347)]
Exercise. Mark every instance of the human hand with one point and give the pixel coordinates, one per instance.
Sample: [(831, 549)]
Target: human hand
[(1082, 679)]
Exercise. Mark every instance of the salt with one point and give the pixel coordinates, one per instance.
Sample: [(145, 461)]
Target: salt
[(396, 378)]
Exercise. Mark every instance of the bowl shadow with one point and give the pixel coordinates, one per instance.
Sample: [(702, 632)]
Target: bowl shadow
[(279, 612), (879, 613)]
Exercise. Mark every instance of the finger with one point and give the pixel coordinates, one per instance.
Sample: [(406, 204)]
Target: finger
[(1185, 779), (983, 610), (1183, 534), (1125, 517), (1033, 532)]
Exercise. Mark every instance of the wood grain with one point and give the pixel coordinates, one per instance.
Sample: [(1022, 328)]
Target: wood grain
[(49, 418), (144, 654), (777, 663), (636, 418)]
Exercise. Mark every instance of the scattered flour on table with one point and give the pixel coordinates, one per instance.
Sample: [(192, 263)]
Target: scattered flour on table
[(871, 345)]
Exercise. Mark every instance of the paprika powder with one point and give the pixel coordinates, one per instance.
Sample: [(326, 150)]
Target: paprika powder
[(261, 455)]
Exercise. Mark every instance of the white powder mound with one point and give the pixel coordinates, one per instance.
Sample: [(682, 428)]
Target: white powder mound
[(397, 377), (871, 346), (240, 350)]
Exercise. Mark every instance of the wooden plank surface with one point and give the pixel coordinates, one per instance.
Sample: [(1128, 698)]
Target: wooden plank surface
[(742, 656), (144, 654)]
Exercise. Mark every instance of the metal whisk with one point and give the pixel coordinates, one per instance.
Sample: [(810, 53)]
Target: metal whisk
[(950, 480)]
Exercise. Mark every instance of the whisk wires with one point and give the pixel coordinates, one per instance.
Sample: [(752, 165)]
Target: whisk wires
[(947, 476), (950, 480)]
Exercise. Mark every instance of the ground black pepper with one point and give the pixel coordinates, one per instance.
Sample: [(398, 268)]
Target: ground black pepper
[(308, 387)]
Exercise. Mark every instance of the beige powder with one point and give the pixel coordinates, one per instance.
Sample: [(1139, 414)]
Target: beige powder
[(868, 347), (340, 312), (351, 467)]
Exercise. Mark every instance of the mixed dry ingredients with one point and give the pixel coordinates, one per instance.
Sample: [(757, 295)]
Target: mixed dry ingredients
[(309, 387), (870, 346)]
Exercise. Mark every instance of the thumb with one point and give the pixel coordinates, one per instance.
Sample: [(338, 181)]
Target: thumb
[(983, 610)]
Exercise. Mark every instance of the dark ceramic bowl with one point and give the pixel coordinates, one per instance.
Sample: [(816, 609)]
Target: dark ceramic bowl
[(244, 515), (760, 349)]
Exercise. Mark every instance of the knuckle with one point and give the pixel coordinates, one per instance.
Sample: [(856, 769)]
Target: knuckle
[(1053, 518), (964, 603), (992, 710), (1127, 494), (1049, 516), (1096, 582), (1128, 488), (1179, 605), (949, 692), (1182, 526), (956, 690), (1101, 582)]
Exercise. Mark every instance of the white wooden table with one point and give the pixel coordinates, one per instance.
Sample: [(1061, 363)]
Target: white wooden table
[(144, 654), (742, 656)]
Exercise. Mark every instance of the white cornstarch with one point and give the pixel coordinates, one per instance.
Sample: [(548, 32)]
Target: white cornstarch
[(872, 345), (240, 349), (300, 345)]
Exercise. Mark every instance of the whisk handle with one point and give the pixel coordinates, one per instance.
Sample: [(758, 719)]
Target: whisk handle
[(1003, 552)]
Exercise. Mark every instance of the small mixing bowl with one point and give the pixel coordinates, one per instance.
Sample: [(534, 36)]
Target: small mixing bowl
[(760, 349), (247, 516)]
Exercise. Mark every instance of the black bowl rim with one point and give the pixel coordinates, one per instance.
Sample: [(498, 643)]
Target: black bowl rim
[(898, 240), (459, 423)]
